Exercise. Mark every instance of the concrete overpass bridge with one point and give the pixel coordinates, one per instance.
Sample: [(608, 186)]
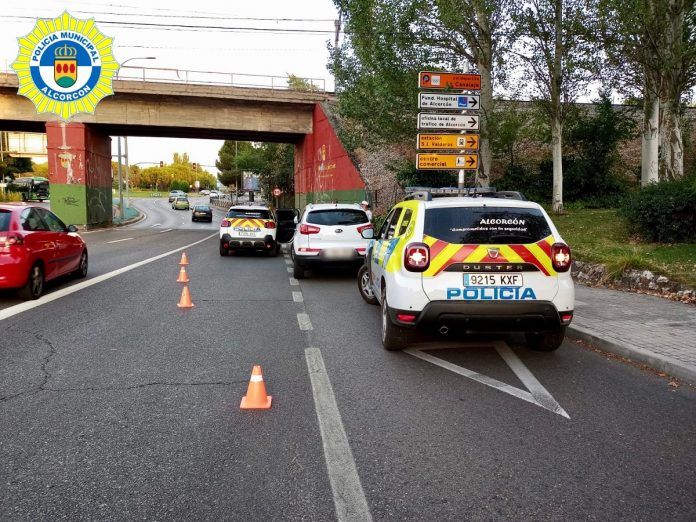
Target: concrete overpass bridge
[(79, 152)]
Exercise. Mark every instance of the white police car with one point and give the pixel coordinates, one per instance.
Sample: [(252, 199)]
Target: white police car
[(488, 263), (249, 227)]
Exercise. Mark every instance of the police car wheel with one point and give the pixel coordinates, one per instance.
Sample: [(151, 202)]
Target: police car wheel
[(393, 336), (223, 250), (365, 286), (546, 341)]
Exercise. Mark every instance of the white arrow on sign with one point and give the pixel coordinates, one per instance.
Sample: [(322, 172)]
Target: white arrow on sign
[(447, 121), (462, 102)]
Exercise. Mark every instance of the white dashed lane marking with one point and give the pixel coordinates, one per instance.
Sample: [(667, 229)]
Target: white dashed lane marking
[(294, 282), (297, 297), (119, 240), (305, 323), (289, 269)]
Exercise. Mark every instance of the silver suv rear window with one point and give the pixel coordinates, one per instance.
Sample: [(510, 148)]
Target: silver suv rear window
[(337, 216), (495, 225)]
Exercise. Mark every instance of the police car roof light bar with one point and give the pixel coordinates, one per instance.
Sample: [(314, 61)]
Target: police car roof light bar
[(427, 193)]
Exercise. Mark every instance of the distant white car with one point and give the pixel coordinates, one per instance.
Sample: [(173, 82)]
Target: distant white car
[(205, 192), (213, 193), (330, 233)]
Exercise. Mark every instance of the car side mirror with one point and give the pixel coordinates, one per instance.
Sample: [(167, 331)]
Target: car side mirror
[(368, 233), (72, 228)]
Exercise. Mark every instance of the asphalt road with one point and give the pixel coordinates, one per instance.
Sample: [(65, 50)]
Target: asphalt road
[(116, 404)]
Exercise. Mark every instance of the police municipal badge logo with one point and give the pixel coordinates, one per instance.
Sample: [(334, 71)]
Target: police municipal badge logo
[(65, 66)]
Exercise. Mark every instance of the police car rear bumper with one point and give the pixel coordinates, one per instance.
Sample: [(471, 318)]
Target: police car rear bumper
[(490, 317), (255, 243)]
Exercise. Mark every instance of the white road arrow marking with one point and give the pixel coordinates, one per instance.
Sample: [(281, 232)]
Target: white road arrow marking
[(535, 393)]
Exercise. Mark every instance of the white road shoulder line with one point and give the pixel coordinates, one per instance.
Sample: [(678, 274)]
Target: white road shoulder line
[(119, 240), (304, 322), (297, 297), (28, 305), (348, 494)]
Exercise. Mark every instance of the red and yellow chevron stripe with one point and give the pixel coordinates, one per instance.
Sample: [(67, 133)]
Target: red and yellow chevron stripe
[(443, 254), (247, 222)]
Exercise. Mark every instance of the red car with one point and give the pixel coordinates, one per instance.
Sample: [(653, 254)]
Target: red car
[(35, 247)]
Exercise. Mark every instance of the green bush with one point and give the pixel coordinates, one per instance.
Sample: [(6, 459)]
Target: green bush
[(663, 212), (536, 186), (179, 185)]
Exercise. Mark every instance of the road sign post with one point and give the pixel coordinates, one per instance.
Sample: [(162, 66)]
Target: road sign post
[(462, 121)]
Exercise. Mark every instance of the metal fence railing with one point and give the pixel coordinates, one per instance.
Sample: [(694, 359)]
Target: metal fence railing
[(168, 75)]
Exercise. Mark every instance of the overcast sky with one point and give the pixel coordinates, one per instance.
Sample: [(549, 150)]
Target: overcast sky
[(260, 37)]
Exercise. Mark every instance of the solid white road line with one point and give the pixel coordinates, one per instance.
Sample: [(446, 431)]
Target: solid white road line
[(297, 297), (28, 305), (542, 396), (119, 240), (348, 494), (305, 323)]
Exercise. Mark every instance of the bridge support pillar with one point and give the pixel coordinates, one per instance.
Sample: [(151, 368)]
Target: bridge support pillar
[(323, 170), (79, 167)]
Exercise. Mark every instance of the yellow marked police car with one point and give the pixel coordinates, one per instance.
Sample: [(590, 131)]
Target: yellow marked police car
[(249, 227), (487, 262)]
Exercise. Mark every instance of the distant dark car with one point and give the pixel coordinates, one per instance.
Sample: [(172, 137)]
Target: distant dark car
[(35, 247), (202, 213)]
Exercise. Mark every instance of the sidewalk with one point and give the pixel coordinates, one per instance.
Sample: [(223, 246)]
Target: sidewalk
[(646, 329)]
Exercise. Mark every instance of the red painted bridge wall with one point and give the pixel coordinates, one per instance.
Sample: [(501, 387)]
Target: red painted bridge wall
[(323, 170)]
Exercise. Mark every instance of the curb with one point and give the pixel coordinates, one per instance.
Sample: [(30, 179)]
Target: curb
[(659, 362)]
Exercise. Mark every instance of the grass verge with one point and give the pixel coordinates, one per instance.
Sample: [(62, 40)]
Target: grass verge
[(601, 236)]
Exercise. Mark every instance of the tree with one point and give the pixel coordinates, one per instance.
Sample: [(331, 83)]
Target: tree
[(650, 48), (559, 58), (273, 162), (230, 173), (389, 41), (679, 75)]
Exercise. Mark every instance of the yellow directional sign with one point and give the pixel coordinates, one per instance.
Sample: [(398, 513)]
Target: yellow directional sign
[(447, 161), (448, 141)]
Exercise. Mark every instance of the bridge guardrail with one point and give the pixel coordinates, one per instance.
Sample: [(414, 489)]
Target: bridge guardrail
[(260, 81)]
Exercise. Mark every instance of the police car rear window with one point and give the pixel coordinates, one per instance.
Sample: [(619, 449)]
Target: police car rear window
[(337, 216), (5, 216), (252, 214), (466, 226)]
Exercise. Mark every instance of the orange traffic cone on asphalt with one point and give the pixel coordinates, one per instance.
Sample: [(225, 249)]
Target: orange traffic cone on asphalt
[(184, 259), (185, 301), (183, 276), (256, 398)]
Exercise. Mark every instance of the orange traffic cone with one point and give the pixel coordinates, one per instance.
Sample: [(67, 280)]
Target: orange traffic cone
[(185, 301), (183, 276), (256, 398), (184, 259)]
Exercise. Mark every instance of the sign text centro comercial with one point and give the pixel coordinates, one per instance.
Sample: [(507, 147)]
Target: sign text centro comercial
[(65, 66)]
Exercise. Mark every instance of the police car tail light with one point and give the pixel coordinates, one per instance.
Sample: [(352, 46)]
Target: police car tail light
[(224, 223), (365, 227), (560, 257), (269, 224), (309, 229), (417, 257)]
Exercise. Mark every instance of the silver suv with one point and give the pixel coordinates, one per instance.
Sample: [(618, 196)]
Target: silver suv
[(330, 233)]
